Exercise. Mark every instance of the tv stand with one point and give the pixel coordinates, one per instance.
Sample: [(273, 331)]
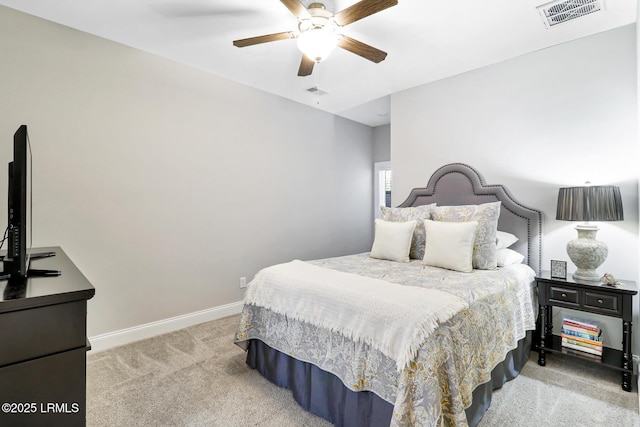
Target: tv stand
[(43, 337)]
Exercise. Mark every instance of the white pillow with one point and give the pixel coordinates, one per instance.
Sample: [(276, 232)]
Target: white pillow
[(508, 257), (504, 239), (486, 214), (411, 214), (392, 240), (449, 244)]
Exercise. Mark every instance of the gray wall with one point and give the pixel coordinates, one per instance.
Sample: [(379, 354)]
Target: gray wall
[(166, 184), (555, 117), (382, 143)]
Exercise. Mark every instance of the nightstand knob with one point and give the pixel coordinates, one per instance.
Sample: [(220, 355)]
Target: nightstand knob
[(564, 295), (600, 301)]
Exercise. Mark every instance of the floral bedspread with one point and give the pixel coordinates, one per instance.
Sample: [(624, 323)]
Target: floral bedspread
[(436, 388)]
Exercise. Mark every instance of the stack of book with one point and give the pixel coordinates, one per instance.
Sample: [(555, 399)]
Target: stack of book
[(582, 335)]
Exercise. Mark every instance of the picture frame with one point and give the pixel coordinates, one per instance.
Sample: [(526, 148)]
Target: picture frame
[(558, 269)]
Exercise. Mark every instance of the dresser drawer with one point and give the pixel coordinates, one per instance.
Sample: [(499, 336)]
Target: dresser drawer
[(57, 379), (603, 302), (564, 295), (41, 331)]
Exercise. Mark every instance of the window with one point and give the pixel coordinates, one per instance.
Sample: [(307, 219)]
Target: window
[(382, 187)]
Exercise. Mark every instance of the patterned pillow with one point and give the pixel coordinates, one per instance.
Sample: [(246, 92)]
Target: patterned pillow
[(419, 213), (486, 214)]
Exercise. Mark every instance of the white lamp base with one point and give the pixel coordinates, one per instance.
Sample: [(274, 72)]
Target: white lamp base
[(587, 253)]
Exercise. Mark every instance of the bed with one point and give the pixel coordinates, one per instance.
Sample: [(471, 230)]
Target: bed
[(365, 369)]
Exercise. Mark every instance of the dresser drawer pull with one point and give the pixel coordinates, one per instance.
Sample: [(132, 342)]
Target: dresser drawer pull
[(564, 295), (600, 301)]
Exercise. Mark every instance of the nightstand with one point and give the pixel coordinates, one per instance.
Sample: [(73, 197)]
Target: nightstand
[(590, 297)]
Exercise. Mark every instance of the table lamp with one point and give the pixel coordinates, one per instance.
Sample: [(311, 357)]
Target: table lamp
[(588, 203)]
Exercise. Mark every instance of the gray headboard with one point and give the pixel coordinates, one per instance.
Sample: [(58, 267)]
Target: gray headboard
[(460, 184)]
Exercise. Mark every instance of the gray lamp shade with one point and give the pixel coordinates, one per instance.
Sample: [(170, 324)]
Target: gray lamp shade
[(590, 203)]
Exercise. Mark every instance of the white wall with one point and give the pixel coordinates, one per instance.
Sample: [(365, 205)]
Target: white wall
[(166, 184), (555, 117)]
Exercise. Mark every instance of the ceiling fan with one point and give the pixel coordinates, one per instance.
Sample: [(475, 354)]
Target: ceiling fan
[(319, 31)]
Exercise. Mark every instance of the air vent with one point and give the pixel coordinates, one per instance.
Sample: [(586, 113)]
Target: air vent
[(317, 91), (557, 12)]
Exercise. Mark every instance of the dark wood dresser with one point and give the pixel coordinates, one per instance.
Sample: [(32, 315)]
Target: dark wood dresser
[(43, 345)]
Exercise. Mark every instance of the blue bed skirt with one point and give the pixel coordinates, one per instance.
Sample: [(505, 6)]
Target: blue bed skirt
[(323, 394)]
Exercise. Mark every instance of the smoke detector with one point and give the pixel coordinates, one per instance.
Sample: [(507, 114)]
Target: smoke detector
[(560, 11)]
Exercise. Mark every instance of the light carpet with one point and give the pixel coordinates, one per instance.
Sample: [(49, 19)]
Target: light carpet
[(198, 377)]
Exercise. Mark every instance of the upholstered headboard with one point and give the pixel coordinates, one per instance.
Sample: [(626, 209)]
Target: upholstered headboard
[(459, 184)]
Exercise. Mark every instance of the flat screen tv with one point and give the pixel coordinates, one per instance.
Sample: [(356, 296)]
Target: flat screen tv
[(18, 233)]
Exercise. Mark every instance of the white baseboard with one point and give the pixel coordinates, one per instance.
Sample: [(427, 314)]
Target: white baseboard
[(125, 336)]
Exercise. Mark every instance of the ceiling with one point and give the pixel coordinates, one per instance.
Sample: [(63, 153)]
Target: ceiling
[(425, 41)]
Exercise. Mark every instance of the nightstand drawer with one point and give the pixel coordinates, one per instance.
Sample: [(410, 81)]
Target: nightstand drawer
[(563, 295), (609, 303)]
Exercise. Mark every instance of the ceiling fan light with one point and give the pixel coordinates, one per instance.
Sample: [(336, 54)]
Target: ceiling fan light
[(317, 43)]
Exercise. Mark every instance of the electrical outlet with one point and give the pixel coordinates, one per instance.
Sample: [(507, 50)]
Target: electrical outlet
[(243, 282)]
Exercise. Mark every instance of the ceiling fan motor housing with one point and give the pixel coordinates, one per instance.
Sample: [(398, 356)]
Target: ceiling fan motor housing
[(318, 33), (319, 18)]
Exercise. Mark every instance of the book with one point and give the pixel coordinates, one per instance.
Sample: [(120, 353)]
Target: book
[(579, 330), (576, 335), (594, 357), (581, 346), (583, 343), (581, 323), (578, 340), (580, 327), (583, 349)]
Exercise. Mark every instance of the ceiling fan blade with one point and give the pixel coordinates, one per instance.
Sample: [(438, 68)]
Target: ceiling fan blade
[(362, 9), (264, 39), (306, 66), (362, 49), (297, 8)]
